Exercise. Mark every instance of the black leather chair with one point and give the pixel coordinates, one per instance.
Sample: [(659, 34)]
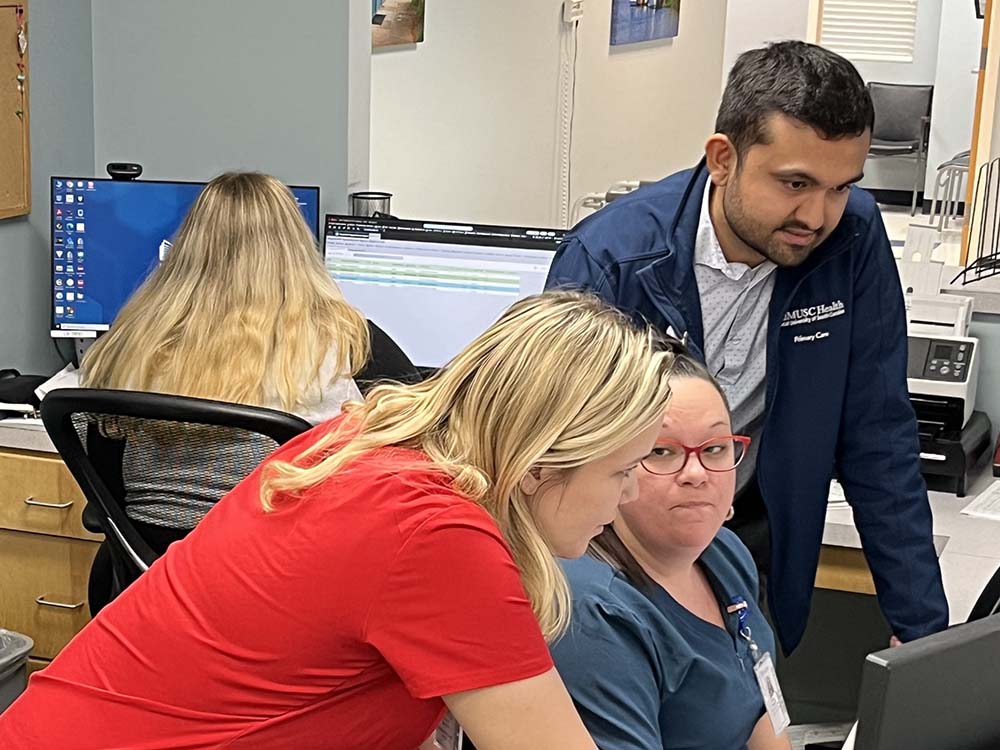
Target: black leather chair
[(92, 429), (989, 601)]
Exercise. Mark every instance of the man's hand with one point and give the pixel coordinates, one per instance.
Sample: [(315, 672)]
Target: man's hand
[(894, 641)]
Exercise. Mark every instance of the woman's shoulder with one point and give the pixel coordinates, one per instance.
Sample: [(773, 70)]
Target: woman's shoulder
[(600, 591), (731, 562)]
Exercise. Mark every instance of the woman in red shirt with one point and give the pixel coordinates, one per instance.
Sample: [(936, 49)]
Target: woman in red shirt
[(384, 566)]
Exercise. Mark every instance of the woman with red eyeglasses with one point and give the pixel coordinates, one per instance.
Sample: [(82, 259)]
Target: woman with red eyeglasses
[(667, 647)]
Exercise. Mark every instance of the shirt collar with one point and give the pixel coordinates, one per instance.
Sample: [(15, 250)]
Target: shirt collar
[(708, 251)]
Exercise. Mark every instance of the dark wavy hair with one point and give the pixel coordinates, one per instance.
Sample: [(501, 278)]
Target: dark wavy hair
[(808, 83)]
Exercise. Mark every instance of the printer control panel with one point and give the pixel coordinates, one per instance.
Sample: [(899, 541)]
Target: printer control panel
[(939, 359)]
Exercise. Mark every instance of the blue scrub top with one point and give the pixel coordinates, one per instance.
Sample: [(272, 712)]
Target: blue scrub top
[(646, 673)]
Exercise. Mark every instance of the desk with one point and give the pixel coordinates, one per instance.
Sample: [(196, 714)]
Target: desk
[(45, 553), (968, 548)]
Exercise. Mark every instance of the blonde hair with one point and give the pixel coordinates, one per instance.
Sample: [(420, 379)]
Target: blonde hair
[(561, 379), (241, 310)]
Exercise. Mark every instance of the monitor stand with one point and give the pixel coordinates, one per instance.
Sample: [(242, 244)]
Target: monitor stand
[(80, 347)]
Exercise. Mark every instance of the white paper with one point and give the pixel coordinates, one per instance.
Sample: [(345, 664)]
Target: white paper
[(837, 496), (67, 377), (986, 504)]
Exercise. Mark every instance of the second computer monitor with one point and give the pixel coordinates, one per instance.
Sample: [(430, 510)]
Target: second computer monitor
[(941, 692), (435, 286)]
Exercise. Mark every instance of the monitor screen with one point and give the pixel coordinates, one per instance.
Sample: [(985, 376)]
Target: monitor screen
[(435, 286), (107, 236)]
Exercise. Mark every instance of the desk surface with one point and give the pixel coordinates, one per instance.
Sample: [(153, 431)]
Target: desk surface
[(24, 436), (969, 548)]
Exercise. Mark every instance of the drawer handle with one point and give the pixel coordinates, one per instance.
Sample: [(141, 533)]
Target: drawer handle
[(42, 601), (30, 500)]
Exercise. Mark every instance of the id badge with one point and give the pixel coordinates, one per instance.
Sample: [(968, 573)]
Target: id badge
[(449, 734), (774, 702)]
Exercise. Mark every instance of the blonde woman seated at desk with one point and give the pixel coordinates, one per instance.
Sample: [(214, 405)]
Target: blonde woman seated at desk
[(660, 652), (240, 310)]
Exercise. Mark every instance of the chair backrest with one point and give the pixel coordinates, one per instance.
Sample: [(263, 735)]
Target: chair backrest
[(124, 444), (899, 109), (989, 601)]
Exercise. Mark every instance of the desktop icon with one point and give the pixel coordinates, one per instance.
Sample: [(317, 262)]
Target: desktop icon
[(79, 283), (70, 297), (59, 241), (79, 199), (59, 295), (79, 212), (58, 212), (70, 226), (59, 226), (59, 199), (59, 282), (69, 269), (79, 242), (79, 226), (70, 197), (69, 184), (69, 256), (59, 309), (90, 185), (59, 269), (70, 311), (58, 183), (79, 255)]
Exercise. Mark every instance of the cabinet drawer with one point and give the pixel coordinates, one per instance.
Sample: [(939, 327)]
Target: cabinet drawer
[(54, 570), (38, 494)]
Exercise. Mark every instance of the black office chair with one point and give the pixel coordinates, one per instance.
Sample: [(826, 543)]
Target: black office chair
[(989, 601), (92, 429)]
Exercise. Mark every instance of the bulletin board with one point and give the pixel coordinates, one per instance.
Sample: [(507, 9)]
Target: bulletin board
[(15, 161)]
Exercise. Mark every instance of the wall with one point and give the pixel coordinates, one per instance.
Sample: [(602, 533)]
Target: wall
[(897, 174), (986, 328), (464, 125), (62, 142), (190, 88), (954, 87), (750, 24)]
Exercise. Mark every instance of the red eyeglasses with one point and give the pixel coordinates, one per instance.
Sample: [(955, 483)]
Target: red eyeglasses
[(717, 454)]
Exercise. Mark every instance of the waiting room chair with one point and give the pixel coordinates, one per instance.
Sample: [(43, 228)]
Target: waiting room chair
[(902, 126), (948, 184), (92, 429)]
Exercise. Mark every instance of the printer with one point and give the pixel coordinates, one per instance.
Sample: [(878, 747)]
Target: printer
[(941, 375)]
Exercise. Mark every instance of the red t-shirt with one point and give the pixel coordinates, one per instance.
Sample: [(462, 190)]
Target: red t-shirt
[(336, 621)]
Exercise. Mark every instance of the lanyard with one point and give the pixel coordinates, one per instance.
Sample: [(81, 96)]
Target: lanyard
[(763, 668), (738, 605)]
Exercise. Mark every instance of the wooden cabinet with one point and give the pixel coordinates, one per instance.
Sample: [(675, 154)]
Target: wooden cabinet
[(45, 553)]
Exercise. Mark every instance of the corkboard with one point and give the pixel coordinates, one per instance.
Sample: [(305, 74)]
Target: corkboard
[(15, 161)]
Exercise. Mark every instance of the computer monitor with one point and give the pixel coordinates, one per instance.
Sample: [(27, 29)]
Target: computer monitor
[(941, 692), (435, 286), (108, 235)]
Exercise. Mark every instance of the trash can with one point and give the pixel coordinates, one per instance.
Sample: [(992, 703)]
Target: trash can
[(14, 650), (370, 203)]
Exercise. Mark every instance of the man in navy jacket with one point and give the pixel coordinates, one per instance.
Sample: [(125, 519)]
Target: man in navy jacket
[(779, 274)]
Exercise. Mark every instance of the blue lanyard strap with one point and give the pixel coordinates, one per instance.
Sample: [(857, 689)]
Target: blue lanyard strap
[(739, 606)]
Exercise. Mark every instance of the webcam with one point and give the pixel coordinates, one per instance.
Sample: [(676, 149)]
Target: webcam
[(124, 170)]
